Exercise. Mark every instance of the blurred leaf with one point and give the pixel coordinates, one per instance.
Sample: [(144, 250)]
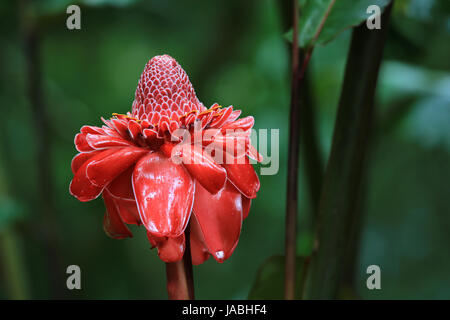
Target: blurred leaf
[(269, 283), (50, 7), (429, 122), (10, 211), (305, 243), (399, 77), (334, 15)]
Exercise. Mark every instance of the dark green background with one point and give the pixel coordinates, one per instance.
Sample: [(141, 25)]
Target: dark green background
[(234, 53)]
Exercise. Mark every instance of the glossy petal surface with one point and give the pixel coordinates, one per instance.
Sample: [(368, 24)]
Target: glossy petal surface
[(164, 193), (81, 143), (80, 159), (220, 219), (203, 168), (80, 186), (97, 141), (244, 178), (102, 171)]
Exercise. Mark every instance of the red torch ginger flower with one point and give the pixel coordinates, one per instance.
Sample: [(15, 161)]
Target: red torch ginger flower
[(130, 162)]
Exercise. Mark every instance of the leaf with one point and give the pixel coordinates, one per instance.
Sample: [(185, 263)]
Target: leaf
[(269, 283), (322, 20)]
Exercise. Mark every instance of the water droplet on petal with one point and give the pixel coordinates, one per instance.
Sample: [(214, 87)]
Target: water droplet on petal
[(220, 254)]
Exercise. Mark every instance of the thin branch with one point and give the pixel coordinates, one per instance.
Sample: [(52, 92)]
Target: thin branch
[(322, 22)]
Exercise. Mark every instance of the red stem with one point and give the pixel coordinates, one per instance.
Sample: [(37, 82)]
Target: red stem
[(180, 281), (177, 284), (298, 72)]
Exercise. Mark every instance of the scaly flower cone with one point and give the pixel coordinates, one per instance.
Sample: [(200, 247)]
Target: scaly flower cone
[(130, 162)]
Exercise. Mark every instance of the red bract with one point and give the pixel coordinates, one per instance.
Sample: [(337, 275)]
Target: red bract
[(129, 161)]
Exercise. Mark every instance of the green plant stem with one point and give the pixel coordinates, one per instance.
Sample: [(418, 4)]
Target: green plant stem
[(343, 174), (313, 158)]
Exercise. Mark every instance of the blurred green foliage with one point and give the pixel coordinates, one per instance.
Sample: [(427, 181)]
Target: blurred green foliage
[(234, 53), (269, 282)]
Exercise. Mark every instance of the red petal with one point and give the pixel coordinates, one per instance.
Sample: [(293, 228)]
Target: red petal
[(128, 211), (199, 251), (220, 120), (169, 249), (103, 171), (243, 124), (111, 132), (164, 192), (134, 129), (203, 168), (220, 219), (112, 222), (230, 146), (234, 115), (91, 129), (81, 144), (121, 187), (244, 178), (80, 186), (97, 141), (80, 159), (246, 203), (122, 190), (121, 127), (253, 153)]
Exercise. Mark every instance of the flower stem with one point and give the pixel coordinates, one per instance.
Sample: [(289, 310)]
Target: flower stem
[(180, 279), (177, 282)]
